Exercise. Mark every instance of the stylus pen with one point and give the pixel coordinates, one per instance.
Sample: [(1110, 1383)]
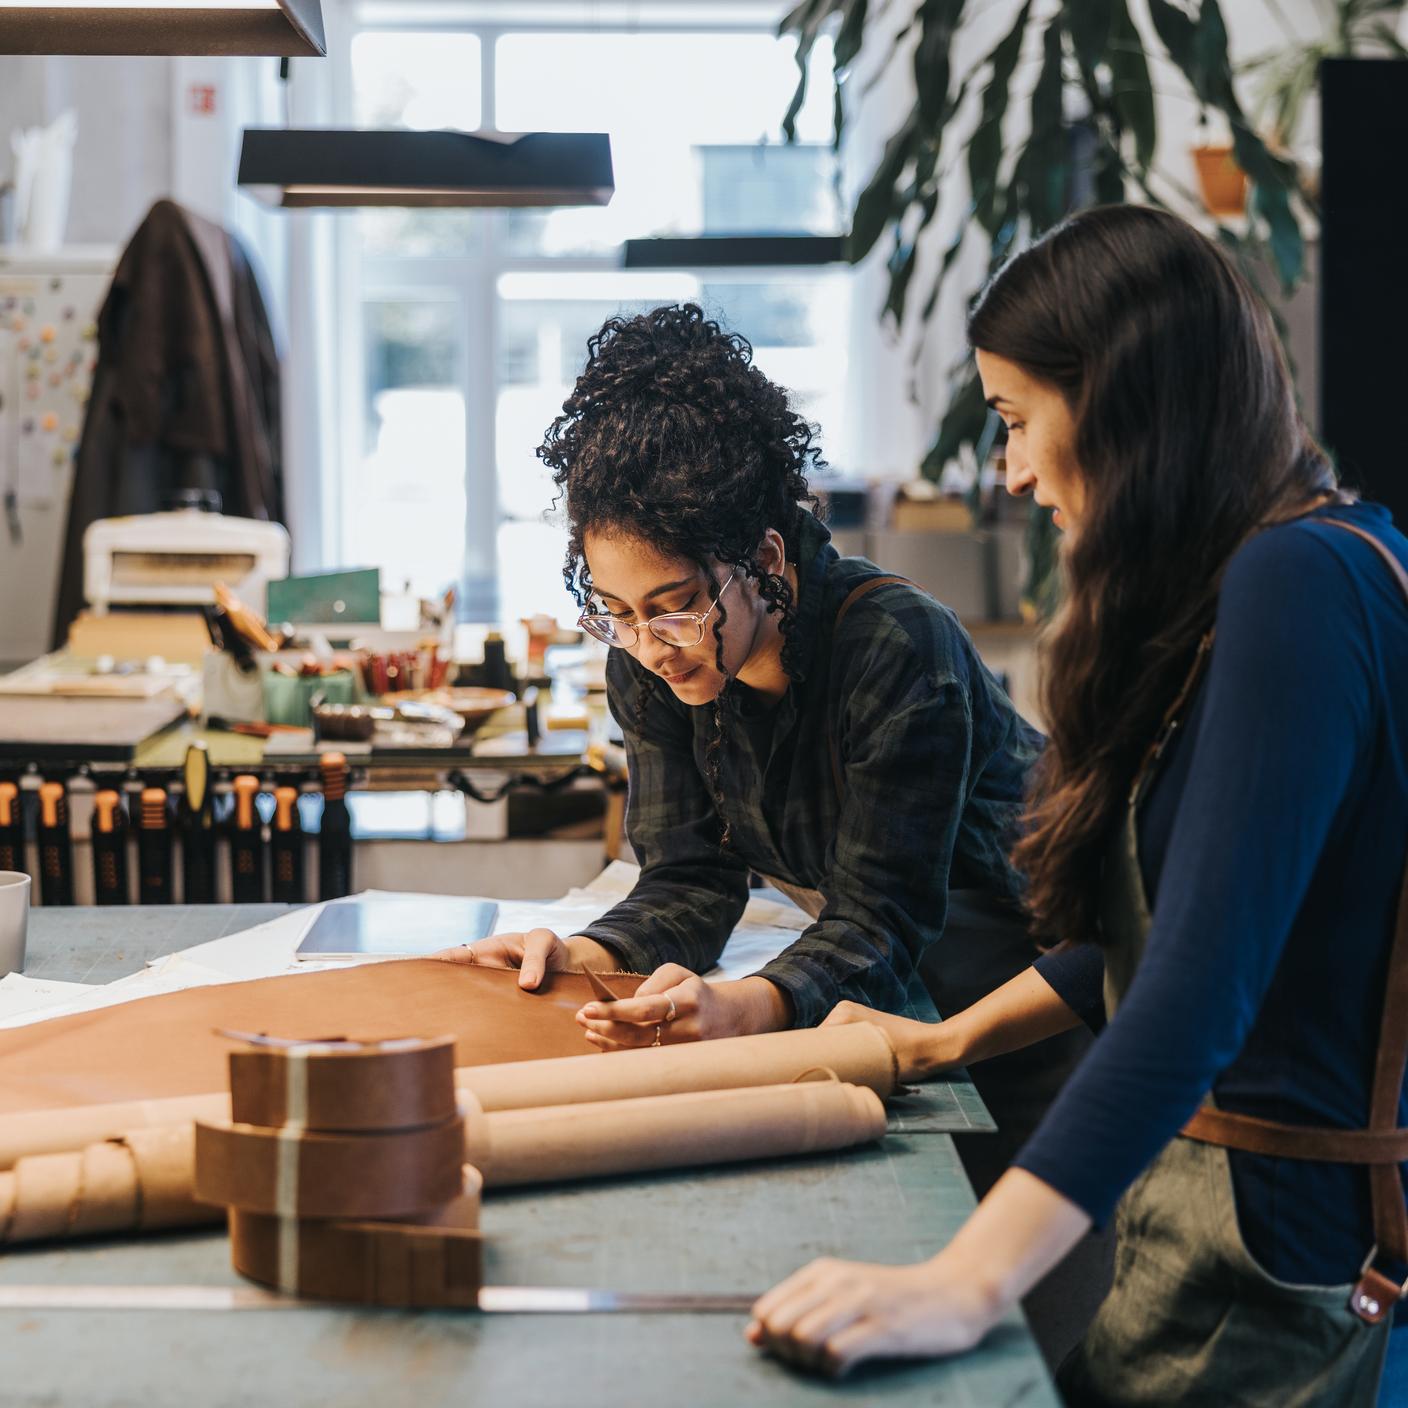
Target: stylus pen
[(286, 849), (11, 828), (246, 844), (195, 821), (335, 837), (154, 849), (109, 848), (55, 847)]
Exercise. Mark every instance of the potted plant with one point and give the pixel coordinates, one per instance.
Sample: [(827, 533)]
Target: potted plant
[(1087, 54), (1221, 182)]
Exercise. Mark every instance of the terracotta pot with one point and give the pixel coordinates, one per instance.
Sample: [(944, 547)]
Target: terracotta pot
[(1223, 182)]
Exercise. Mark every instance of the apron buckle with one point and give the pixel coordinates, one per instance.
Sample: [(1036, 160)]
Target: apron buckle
[(1375, 1295)]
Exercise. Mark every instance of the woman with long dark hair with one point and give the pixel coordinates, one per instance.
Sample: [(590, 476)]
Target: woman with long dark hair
[(787, 711), (1218, 831)]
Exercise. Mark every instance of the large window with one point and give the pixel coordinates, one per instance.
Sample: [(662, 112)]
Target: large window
[(469, 327)]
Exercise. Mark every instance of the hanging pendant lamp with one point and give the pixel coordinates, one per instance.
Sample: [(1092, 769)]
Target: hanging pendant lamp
[(289, 28), (309, 167)]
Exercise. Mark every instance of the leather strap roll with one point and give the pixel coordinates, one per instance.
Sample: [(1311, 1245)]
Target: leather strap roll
[(432, 1262), (139, 1182), (703, 1127), (343, 1085), (859, 1053), (292, 1172)]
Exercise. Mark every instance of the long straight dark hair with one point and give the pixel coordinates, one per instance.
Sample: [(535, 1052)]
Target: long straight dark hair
[(1187, 440)]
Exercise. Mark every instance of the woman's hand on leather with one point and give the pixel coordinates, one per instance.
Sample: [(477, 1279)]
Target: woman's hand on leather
[(676, 1005), (534, 953)]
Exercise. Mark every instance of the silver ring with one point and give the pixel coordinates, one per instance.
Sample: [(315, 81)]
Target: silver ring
[(670, 1015), (656, 1042)]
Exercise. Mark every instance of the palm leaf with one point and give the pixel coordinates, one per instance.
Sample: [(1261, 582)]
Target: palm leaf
[(985, 145), (1131, 91)]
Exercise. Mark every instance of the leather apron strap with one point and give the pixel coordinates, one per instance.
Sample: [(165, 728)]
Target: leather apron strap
[(1383, 1145), (838, 775)]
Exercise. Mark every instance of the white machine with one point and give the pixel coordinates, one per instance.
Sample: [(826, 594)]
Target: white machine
[(175, 559)]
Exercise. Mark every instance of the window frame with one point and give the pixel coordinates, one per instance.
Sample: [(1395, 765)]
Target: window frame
[(474, 275)]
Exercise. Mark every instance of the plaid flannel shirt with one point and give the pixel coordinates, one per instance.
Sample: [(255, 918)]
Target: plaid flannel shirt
[(935, 759)]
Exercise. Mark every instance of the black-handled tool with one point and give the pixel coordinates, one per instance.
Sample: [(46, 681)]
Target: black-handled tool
[(246, 844), (335, 836), (196, 825), (11, 829), (286, 849), (154, 849), (109, 848), (55, 846)]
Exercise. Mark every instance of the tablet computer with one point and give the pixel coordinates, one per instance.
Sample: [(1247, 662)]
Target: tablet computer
[(397, 927)]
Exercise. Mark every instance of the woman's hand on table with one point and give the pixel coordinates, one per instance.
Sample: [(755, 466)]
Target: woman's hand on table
[(676, 1005), (921, 1048), (535, 953), (830, 1315)]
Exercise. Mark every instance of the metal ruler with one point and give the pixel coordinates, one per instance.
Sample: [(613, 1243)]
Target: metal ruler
[(496, 1300)]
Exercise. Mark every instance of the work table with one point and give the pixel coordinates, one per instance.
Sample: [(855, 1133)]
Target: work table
[(730, 1230)]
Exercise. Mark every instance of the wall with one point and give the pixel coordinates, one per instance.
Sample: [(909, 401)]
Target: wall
[(142, 136), (147, 128), (122, 160)]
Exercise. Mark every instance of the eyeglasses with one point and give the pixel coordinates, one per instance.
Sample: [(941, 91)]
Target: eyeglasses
[(681, 629)]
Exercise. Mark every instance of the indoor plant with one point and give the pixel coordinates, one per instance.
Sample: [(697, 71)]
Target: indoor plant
[(1091, 52)]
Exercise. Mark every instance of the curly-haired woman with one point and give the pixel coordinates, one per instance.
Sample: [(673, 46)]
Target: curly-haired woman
[(787, 711), (1220, 821)]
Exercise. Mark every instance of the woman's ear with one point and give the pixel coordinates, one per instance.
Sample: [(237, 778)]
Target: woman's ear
[(772, 553)]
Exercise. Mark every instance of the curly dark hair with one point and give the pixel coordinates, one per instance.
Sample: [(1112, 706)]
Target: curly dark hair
[(672, 435)]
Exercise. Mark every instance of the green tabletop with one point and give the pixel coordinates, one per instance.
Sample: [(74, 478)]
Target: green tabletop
[(731, 1230)]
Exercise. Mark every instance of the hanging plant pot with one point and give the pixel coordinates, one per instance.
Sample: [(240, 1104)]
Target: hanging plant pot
[(1223, 183)]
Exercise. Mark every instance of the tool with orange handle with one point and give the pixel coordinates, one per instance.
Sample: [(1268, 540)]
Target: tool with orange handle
[(55, 846), (11, 828), (109, 848), (246, 844), (286, 849), (196, 824), (154, 849), (335, 836)]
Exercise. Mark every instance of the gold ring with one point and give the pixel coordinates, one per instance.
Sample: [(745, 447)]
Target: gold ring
[(656, 1042)]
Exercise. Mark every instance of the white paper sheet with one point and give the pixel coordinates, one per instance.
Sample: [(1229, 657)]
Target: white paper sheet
[(268, 950), (20, 995)]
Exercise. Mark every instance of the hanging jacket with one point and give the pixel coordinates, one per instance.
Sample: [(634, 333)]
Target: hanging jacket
[(186, 390)]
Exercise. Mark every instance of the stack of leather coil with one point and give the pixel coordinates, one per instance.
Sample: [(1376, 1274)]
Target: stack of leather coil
[(342, 1170)]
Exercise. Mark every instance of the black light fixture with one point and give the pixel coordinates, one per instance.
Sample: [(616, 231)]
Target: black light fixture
[(291, 28), (336, 167), (733, 251)]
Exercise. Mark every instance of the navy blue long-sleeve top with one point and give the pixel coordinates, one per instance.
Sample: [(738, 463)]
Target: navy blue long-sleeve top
[(1272, 847)]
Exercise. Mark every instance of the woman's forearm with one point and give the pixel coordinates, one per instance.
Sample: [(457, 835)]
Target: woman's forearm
[(1019, 1231), (1023, 1011)]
